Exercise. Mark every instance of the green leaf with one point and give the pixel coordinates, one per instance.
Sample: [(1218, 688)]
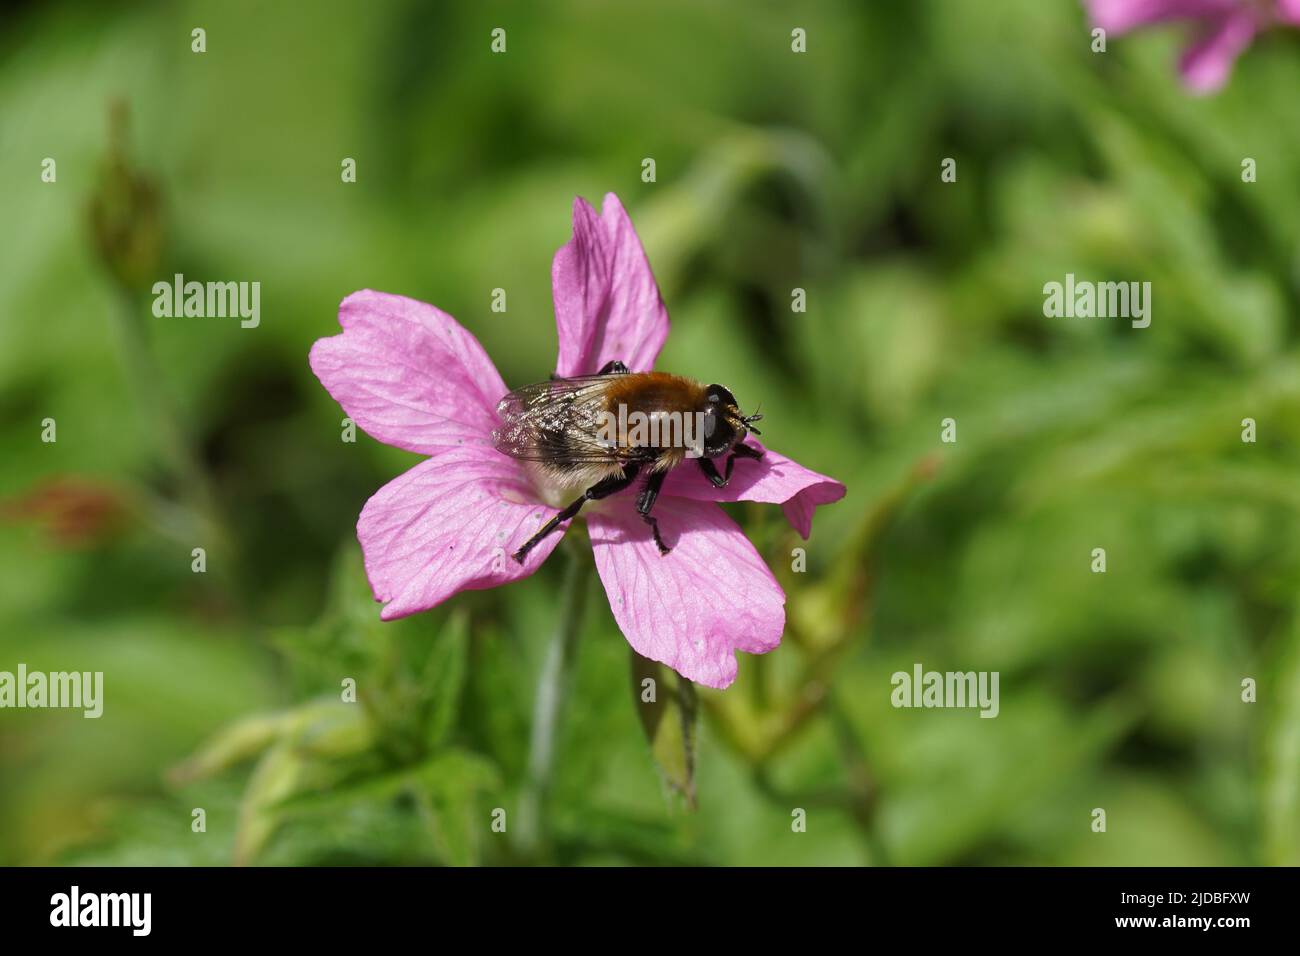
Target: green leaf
[(1281, 772), (667, 706), (445, 788), (232, 745), (452, 782), (276, 776), (445, 677)]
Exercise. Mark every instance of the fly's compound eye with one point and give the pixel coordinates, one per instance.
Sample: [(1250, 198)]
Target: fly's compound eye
[(719, 434), (720, 395)]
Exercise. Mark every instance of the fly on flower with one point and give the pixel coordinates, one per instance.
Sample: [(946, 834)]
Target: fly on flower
[(411, 376), (601, 432)]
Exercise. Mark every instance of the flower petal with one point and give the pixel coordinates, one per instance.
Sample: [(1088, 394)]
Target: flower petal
[(773, 478), (694, 607), (1289, 10), (607, 303), (409, 374), (1206, 64), (1120, 16), (450, 524)]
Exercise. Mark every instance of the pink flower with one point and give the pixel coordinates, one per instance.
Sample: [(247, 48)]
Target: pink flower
[(1224, 29), (412, 377)]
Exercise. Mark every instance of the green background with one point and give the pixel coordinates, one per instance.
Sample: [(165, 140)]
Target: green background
[(775, 170)]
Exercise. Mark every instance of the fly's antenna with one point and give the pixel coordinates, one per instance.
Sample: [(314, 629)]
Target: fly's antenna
[(750, 419)]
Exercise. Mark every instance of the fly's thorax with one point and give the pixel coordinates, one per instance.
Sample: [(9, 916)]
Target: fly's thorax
[(654, 391), (653, 411)]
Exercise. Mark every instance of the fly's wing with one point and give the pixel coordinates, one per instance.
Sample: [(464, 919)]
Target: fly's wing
[(558, 422)]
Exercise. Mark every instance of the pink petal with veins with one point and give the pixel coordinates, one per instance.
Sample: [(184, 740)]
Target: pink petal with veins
[(409, 374), (774, 479), (693, 608), (607, 304), (450, 524)]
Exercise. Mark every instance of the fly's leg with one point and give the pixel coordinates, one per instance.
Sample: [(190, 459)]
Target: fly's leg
[(601, 489), (646, 501), (711, 470), (609, 368)]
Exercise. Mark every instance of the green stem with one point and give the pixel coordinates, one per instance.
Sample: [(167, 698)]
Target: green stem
[(552, 686)]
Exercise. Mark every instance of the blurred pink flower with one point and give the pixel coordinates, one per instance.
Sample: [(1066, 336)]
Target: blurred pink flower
[(412, 377), (1224, 28)]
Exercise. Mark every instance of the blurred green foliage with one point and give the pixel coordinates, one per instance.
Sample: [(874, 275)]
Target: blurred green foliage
[(775, 171)]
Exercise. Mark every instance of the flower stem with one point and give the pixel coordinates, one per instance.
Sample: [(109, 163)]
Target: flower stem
[(552, 686), (164, 422)]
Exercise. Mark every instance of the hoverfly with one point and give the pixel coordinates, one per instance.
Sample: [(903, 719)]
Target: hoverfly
[(603, 431)]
